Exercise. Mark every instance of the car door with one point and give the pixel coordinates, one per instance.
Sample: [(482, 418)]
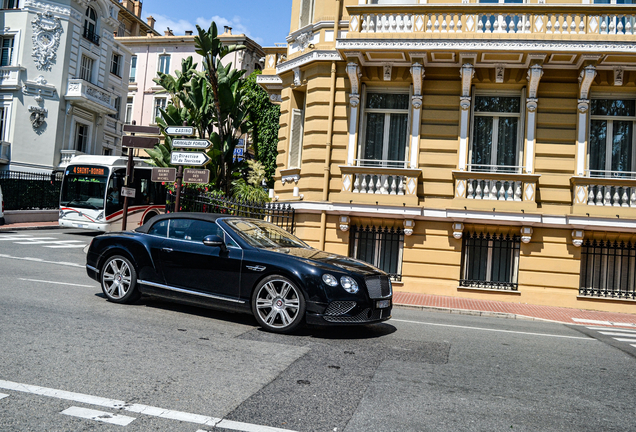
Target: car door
[(189, 264)]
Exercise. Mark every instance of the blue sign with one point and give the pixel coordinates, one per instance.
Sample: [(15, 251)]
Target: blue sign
[(239, 151)]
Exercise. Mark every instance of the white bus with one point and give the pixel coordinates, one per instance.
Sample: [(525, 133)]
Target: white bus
[(90, 197)]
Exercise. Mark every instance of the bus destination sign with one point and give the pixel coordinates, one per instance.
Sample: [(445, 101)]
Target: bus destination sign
[(88, 170)]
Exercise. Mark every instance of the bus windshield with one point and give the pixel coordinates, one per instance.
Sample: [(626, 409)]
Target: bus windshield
[(84, 187)]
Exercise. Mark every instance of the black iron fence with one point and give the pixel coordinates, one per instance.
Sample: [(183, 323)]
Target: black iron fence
[(30, 191), (608, 269), (206, 202)]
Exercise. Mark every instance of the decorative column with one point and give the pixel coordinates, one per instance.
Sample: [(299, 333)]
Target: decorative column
[(585, 80), (353, 70), (534, 76), (467, 72), (417, 71)]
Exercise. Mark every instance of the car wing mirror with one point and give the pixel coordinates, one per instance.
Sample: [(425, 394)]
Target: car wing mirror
[(214, 241)]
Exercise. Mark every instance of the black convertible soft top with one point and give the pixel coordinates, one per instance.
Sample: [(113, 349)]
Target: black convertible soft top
[(209, 217)]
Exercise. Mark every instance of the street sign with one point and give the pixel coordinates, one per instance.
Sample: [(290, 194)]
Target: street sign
[(148, 130), (180, 130), (164, 174), (139, 142), (200, 176), (128, 192), (191, 143), (189, 158)]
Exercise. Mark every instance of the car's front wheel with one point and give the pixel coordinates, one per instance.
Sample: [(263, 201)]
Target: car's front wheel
[(278, 304), (119, 280)]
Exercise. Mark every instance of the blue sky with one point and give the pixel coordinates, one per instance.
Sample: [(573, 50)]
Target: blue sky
[(264, 21)]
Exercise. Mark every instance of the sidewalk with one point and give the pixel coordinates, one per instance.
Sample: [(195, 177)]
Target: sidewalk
[(487, 308)]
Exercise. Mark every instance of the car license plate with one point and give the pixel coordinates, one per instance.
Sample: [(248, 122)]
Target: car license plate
[(81, 225), (382, 304)]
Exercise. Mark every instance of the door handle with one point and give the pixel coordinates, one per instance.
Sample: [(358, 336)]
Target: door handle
[(166, 250)]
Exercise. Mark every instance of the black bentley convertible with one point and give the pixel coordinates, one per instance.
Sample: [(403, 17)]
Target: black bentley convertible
[(238, 264)]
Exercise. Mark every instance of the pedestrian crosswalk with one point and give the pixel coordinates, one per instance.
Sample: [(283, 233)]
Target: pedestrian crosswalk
[(618, 334), (47, 242)]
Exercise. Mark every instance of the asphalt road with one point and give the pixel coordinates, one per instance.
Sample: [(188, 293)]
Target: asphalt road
[(67, 354)]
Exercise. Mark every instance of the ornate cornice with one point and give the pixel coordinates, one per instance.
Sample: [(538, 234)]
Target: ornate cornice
[(479, 44), (33, 5), (308, 58)]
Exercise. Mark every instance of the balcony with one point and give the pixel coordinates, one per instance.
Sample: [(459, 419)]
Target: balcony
[(383, 185), (90, 96), (481, 21), (5, 152), (91, 36), (603, 196), (480, 190), (67, 155), (10, 77)]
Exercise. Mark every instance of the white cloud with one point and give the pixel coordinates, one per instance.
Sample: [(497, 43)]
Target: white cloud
[(181, 26)]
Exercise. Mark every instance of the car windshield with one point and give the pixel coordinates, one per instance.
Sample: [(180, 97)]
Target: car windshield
[(263, 234)]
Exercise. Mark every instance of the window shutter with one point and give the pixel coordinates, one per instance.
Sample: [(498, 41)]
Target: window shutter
[(296, 140)]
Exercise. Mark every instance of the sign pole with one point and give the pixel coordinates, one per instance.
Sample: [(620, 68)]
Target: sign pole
[(177, 201), (129, 180)]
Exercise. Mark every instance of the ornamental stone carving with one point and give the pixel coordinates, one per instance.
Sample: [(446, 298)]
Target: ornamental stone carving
[(526, 234), (458, 230), (409, 227), (47, 30), (466, 73), (344, 223), (583, 105), (577, 237), (303, 40), (464, 103), (585, 80), (353, 70), (534, 76), (37, 116), (531, 104)]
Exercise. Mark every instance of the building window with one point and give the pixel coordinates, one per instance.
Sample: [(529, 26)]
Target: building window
[(296, 139), (3, 120), (7, 50), (129, 108), (115, 65), (379, 246), (10, 4), (133, 69), (496, 134), (106, 151), (386, 120), (90, 25), (490, 261), (611, 140), (81, 137), (608, 269), (306, 12), (160, 104), (86, 69), (164, 63), (117, 107), (121, 31)]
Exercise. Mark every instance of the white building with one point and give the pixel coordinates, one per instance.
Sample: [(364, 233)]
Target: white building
[(61, 82)]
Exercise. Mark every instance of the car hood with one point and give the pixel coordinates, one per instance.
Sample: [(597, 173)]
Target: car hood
[(329, 261)]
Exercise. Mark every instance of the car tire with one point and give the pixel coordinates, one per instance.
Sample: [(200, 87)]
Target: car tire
[(119, 280), (278, 304)]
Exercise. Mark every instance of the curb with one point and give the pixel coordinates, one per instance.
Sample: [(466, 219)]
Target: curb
[(488, 314), (24, 228)]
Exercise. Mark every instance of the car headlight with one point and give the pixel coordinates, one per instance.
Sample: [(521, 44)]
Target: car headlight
[(349, 284), (330, 280)]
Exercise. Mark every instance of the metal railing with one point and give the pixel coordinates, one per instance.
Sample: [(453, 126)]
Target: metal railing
[(205, 202), (30, 191), (608, 269), (91, 36), (490, 261)]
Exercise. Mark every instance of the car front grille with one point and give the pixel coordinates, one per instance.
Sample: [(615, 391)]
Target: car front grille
[(378, 286), (366, 315), (339, 308)]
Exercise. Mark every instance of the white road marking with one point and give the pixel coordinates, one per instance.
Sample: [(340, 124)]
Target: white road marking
[(613, 329), (43, 261), (624, 340), (137, 408), (57, 283), (634, 345), (101, 416), (16, 239), (609, 323), (13, 237), (617, 334), (68, 246), (2, 395), (48, 242), (494, 330)]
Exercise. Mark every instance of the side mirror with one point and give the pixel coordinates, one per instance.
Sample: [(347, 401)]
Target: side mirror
[(214, 241)]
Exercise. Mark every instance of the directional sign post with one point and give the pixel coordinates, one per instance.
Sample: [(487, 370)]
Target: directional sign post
[(189, 158), (191, 143), (180, 130)]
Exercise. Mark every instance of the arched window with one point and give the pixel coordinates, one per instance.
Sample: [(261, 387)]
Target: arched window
[(90, 25)]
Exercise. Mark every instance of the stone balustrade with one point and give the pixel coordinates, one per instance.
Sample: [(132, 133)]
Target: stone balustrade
[(380, 181), (90, 96), (604, 192), (10, 77), (526, 19), (495, 186), (5, 152), (67, 155)]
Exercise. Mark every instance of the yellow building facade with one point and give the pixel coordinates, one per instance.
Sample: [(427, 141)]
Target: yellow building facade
[(481, 150)]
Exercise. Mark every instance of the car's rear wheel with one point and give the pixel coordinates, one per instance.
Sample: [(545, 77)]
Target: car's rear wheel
[(278, 304), (119, 280)]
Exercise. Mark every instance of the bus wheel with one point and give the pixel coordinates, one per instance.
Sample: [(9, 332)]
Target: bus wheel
[(149, 216)]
